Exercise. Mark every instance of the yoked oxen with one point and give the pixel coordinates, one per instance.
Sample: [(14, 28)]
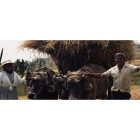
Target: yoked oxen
[(81, 87), (41, 85)]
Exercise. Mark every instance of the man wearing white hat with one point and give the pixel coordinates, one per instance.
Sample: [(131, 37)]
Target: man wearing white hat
[(8, 81)]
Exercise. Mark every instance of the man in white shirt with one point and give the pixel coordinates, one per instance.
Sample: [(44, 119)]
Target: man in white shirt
[(122, 76)]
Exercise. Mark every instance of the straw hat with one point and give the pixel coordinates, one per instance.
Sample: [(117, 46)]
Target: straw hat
[(7, 61)]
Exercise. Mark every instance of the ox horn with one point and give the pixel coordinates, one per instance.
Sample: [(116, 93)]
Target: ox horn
[(61, 75), (73, 81), (76, 81)]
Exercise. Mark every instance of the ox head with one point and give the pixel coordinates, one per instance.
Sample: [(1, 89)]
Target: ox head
[(58, 81), (38, 83), (78, 85)]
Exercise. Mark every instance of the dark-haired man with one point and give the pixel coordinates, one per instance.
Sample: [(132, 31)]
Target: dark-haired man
[(122, 76)]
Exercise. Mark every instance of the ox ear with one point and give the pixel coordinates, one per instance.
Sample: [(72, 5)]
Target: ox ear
[(51, 88), (88, 86), (28, 74)]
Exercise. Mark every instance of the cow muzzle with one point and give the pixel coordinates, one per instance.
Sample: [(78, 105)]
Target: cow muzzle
[(51, 88), (32, 95)]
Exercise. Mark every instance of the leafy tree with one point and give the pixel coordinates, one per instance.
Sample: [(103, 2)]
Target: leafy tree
[(20, 66), (17, 66)]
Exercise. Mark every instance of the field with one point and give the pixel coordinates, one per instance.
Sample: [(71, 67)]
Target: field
[(135, 92), (23, 98), (135, 62), (22, 92)]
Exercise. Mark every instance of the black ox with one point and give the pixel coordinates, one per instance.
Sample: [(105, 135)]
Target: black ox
[(81, 87), (40, 84), (75, 85)]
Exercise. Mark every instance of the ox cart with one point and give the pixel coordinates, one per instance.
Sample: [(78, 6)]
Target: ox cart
[(72, 55)]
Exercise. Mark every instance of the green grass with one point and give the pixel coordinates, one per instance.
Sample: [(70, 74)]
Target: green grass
[(135, 81), (22, 90), (137, 75)]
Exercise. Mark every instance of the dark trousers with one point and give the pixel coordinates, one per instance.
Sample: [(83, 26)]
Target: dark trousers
[(120, 95)]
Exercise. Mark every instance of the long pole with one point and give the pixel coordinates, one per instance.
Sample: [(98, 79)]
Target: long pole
[(1, 55)]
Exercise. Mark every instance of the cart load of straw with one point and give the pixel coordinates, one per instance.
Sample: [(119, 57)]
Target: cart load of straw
[(72, 55)]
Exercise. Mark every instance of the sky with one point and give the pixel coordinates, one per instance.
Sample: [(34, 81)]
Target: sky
[(12, 52)]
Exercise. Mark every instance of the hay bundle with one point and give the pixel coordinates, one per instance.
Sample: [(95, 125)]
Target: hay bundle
[(71, 55)]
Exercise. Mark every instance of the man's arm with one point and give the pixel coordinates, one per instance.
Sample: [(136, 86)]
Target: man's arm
[(95, 75)]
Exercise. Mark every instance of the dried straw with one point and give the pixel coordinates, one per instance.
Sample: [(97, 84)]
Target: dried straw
[(71, 55)]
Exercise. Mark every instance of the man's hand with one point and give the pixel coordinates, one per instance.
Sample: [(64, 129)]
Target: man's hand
[(86, 73)]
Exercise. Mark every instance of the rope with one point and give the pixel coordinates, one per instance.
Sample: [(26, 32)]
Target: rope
[(41, 88)]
